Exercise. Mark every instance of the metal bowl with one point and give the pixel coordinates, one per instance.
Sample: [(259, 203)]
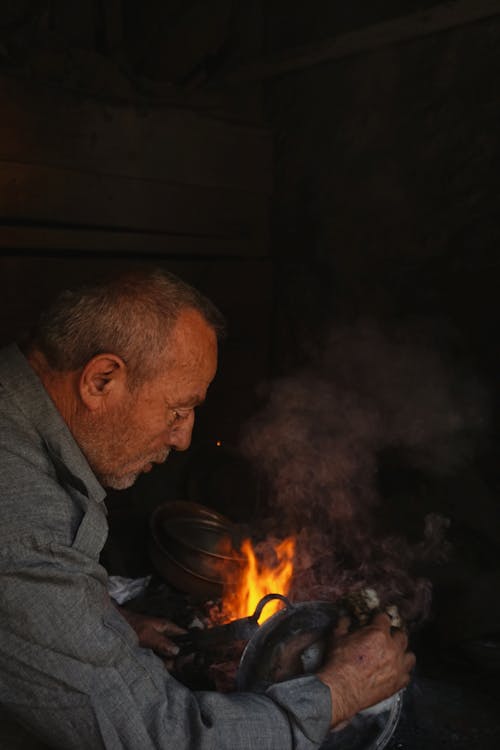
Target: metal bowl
[(292, 643), (191, 547)]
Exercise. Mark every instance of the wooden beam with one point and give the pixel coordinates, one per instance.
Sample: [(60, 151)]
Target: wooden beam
[(34, 193), (50, 240), (59, 129), (442, 17)]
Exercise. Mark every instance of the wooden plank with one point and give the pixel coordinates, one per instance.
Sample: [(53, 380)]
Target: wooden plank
[(57, 128), (442, 17), (39, 194), (49, 240)]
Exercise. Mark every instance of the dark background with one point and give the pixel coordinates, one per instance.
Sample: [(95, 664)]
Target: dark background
[(312, 167)]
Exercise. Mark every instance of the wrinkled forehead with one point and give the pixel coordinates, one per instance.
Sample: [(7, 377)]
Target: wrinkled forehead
[(193, 342), (190, 361)]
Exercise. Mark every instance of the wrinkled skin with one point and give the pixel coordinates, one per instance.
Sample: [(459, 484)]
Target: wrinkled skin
[(153, 633), (365, 667), (124, 432)]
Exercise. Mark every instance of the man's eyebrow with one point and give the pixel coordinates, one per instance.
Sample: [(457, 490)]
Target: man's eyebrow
[(191, 402)]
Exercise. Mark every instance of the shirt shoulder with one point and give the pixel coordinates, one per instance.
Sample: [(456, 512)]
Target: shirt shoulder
[(33, 498)]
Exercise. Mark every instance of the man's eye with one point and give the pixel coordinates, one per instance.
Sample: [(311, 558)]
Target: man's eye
[(181, 414)]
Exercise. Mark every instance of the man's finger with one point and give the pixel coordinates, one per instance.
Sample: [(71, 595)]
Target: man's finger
[(382, 621), (409, 660), (342, 627), (164, 646), (401, 637), (165, 626)]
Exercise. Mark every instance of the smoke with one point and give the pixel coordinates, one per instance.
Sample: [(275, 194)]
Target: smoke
[(319, 439)]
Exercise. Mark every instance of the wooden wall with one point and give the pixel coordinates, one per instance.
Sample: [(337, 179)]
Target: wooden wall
[(79, 174)]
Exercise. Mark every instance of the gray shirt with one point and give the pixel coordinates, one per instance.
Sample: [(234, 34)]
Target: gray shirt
[(71, 669)]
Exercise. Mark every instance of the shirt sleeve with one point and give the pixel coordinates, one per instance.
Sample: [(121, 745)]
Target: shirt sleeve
[(71, 670)]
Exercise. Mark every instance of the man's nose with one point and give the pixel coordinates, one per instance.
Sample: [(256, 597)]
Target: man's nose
[(180, 434)]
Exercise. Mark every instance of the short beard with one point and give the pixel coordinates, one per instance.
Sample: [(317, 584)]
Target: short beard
[(124, 481), (116, 482)]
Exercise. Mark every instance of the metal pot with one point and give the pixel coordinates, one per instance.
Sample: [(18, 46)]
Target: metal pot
[(292, 643), (191, 547)]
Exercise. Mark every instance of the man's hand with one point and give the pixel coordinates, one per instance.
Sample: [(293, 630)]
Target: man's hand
[(153, 633), (366, 666)]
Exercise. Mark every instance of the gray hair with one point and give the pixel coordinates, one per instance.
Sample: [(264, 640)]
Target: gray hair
[(131, 316)]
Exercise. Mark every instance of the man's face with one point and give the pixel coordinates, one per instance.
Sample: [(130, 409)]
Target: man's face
[(141, 428)]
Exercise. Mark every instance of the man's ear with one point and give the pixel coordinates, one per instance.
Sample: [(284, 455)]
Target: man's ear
[(103, 381)]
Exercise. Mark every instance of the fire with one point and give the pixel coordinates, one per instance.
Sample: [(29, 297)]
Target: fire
[(258, 579)]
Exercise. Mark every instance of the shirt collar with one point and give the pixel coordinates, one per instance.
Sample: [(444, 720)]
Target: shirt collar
[(27, 391)]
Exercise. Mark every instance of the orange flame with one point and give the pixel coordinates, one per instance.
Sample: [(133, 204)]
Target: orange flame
[(258, 579)]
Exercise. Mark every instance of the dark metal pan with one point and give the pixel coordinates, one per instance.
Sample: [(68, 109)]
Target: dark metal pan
[(192, 548)]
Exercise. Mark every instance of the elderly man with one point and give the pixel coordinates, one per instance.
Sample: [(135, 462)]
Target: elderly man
[(106, 388)]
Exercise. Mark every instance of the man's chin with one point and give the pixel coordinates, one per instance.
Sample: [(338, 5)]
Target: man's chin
[(115, 482), (124, 481)]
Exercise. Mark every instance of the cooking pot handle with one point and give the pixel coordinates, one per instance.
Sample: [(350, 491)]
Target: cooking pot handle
[(242, 629), (265, 600)]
